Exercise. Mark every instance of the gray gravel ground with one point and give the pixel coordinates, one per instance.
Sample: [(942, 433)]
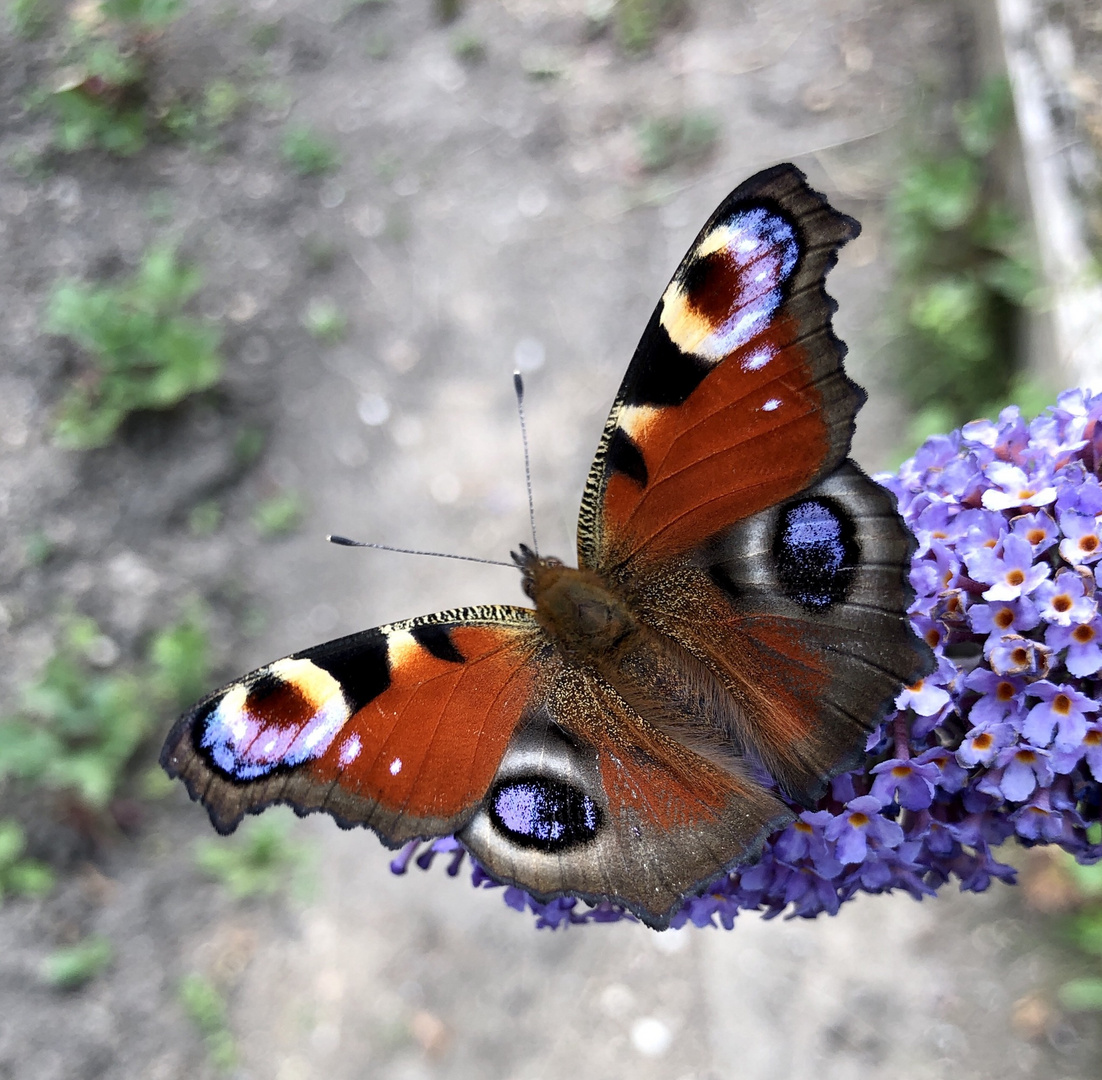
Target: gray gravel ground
[(481, 217)]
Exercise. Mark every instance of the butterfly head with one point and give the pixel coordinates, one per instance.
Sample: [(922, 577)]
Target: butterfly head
[(575, 607), (534, 568)]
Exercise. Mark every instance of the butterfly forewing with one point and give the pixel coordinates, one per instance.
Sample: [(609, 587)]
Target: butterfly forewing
[(735, 398), (400, 728)]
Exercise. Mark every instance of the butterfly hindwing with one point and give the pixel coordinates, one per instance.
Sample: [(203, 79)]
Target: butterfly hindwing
[(400, 728), (735, 398), (799, 610), (591, 801)]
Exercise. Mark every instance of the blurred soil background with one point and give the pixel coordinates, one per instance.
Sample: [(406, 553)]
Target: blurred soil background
[(385, 208)]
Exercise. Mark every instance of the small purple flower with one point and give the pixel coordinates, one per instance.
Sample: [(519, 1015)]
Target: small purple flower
[(1038, 530), (982, 744), (1010, 574), (1060, 707), (1014, 489), (1014, 654), (1065, 600), (1019, 771), (1083, 650), (1000, 696), (1082, 542), (859, 826), (1005, 617), (926, 697), (1092, 750), (948, 775), (804, 841), (908, 781)]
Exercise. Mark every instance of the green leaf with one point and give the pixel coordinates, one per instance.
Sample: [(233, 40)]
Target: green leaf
[(984, 118), (12, 843), (1082, 995), (181, 662), (78, 964), (144, 352), (29, 878), (308, 153), (279, 515), (259, 861)]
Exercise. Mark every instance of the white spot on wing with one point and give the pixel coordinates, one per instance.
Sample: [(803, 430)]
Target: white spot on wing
[(396, 766), (757, 360), (771, 404), (350, 749)]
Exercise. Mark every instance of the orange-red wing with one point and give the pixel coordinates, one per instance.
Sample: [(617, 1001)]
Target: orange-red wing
[(800, 610), (735, 398), (400, 728), (592, 801)]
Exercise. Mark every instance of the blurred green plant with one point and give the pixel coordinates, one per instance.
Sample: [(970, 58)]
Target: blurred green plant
[(20, 876), (447, 11), (206, 1009), (101, 93), (468, 47), (307, 152), (324, 320), (965, 274), (249, 444), (80, 725), (30, 18), (663, 141), (1085, 928), (260, 860), (279, 515), (204, 518), (145, 353), (638, 21), (104, 93), (38, 548), (201, 120), (78, 964)]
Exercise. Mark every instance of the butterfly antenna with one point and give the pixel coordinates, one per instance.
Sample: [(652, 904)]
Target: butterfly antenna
[(518, 387), (343, 541)]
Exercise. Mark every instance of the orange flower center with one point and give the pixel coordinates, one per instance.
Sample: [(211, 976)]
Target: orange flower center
[(1061, 602), (858, 820), (983, 741), (1004, 691), (1088, 543), (1015, 577), (1035, 536), (1004, 619), (1061, 704), (1083, 634)]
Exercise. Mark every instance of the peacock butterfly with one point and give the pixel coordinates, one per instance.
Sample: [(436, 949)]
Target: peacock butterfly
[(738, 609)]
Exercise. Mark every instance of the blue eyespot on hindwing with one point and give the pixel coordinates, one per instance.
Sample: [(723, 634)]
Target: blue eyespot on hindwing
[(538, 812), (816, 552)]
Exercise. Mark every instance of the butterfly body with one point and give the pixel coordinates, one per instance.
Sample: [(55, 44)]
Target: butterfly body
[(734, 629)]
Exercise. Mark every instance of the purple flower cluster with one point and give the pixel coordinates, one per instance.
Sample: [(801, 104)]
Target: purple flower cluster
[(1003, 739)]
